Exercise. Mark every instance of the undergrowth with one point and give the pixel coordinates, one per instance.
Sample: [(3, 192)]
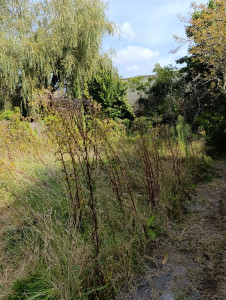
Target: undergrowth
[(88, 201)]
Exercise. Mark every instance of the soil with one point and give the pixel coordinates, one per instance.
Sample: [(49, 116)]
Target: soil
[(191, 263)]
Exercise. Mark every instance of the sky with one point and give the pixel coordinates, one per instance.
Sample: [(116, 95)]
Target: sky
[(146, 33)]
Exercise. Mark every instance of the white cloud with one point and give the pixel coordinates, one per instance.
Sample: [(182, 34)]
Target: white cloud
[(127, 31), (134, 60), (134, 55), (133, 68)]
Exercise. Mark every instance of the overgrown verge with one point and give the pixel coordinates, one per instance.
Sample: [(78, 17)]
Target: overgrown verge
[(84, 222)]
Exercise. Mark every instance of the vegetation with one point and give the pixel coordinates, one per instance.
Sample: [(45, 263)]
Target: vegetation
[(81, 224), (205, 71), (48, 44), (164, 95), (206, 36), (196, 91), (89, 189), (107, 88)]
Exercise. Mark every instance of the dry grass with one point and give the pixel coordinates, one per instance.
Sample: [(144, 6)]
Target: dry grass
[(122, 182)]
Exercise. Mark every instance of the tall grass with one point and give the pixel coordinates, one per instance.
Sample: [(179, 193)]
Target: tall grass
[(87, 201)]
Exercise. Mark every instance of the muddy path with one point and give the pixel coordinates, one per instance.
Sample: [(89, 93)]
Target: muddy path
[(191, 263)]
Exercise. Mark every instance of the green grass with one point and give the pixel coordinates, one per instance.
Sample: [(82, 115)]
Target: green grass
[(33, 287)]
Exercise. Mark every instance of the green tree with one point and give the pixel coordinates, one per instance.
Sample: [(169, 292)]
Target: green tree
[(52, 43), (108, 89), (164, 89)]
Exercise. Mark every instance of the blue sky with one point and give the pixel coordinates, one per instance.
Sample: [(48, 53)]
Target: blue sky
[(147, 28)]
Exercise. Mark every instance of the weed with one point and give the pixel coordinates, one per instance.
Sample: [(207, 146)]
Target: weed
[(88, 200)]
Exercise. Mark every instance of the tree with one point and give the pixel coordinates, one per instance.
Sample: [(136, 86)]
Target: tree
[(205, 73), (52, 43), (108, 89), (198, 91), (163, 90), (206, 35)]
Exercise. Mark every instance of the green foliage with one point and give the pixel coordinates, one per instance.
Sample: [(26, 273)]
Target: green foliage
[(108, 89), (183, 132), (137, 83), (49, 44), (205, 104), (165, 76), (151, 224), (152, 234), (8, 114), (141, 125), (214, 126), (161, 96), (33, 287), (212, 4), (204, 75)]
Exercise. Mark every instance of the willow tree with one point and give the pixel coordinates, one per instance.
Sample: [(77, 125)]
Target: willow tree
[(49, 43)]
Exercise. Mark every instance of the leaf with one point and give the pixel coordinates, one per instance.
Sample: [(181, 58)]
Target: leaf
[(152, 234), (151, 220), (165, 258), (193, 186)]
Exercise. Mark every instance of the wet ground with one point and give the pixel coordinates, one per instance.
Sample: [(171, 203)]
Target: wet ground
[(191, 263)]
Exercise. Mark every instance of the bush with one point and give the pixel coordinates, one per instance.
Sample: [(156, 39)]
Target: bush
[(214, 126), (6, 115), (108, 89)]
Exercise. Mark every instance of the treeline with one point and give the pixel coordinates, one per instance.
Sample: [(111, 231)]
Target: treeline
[(57, 46), (195, 91)]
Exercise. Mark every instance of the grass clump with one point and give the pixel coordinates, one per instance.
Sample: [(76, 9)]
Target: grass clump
[(32, 288)]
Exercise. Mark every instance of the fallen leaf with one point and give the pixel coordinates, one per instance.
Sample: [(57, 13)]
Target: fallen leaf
[(165, 259)]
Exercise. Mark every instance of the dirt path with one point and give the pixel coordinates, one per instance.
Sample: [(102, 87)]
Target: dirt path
[(195, 255)]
